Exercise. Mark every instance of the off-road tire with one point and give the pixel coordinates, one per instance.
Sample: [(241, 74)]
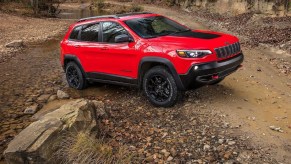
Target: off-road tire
[(75, 77), (160, 87)]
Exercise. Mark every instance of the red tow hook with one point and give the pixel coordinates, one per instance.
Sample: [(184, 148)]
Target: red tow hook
[(214, 77)]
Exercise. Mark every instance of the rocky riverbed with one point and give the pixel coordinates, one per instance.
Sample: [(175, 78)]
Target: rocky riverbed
[(244, 119)]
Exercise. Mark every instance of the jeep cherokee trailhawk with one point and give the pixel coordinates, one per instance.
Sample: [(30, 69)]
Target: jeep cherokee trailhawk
[(149, 51)]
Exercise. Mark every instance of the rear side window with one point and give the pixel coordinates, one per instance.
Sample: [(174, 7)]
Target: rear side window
[(111, 30), (75, 33), (90, 32)]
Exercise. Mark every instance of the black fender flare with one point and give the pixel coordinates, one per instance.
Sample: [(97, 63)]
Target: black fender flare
[(74, 58), (162, 61)]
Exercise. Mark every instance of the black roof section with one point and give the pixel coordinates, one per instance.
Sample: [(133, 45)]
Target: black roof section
[(117, 16)]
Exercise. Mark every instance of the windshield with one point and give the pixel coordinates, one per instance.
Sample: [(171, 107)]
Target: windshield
[(151, 27)]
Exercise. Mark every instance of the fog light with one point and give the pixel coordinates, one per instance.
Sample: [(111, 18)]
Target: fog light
[(196, 67)]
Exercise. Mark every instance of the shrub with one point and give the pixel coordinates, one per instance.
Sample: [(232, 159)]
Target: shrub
[(83, 148)]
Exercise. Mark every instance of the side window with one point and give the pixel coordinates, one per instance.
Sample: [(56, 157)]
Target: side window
[(90, 32), (111, 30), (75, 33)]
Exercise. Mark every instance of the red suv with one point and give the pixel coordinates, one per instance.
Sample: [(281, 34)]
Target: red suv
[(148, 51)]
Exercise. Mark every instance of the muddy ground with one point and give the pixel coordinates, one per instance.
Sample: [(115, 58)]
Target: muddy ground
[(229, 122)]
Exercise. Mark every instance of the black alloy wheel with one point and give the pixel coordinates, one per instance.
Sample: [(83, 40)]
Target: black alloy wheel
[(74, 76), (160, 87)]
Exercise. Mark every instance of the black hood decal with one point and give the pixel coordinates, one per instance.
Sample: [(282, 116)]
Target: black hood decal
[(194, 34)]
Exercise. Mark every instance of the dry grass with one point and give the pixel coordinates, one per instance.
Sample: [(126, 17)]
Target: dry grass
[(82, 148)]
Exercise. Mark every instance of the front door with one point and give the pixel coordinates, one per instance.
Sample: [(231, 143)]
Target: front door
[(118, 59)]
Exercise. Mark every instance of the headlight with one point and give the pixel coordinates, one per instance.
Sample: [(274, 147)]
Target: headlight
[(193, 53)]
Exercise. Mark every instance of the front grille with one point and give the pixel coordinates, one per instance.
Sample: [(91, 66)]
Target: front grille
[(227, 51)]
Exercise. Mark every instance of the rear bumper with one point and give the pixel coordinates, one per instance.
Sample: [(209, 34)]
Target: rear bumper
[(205, 73)]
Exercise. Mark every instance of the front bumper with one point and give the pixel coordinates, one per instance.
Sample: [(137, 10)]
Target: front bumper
[(205, 73)]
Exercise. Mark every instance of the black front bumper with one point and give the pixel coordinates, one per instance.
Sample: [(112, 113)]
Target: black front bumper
[(205, 73)]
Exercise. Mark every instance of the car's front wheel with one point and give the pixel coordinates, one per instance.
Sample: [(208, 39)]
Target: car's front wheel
[(160, 87), (75, 77)]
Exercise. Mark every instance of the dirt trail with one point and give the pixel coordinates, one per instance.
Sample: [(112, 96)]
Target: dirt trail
[(241, 108)]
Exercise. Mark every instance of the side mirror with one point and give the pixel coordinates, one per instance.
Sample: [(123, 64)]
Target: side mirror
[(123, 38)]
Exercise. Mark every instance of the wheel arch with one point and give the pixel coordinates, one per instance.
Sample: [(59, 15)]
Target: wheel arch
[(72, 58), (147, 63)]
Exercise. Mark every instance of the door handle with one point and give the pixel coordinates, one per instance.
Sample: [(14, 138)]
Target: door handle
[(76, 46), (104, 48)]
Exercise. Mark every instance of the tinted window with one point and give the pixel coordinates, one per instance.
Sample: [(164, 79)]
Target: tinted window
[(90, 32), (75, 33), (154, 26), (111, 30)]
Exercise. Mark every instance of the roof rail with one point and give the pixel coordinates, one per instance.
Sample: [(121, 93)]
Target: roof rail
[(113, 16), (96, 17)]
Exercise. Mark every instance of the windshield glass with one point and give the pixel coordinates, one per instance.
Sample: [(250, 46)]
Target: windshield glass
[(151, 27)]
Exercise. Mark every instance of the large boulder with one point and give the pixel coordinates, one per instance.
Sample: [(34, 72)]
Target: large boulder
[(35, 143)]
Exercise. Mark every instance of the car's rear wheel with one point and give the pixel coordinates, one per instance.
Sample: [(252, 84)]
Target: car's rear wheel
[(75, 77), (160, 87)]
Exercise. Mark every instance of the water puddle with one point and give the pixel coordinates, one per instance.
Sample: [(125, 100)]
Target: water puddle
[(79, 12)]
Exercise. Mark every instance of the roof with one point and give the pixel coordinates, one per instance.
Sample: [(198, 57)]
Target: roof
[(125, 16)]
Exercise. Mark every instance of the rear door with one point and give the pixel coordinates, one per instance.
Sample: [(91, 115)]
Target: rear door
[(89, 47)]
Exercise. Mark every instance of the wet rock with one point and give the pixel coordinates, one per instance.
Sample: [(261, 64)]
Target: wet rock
[(149, 159), (43, 98), (173, 152), (99, 106), (227, 155), (33, 144), (206, 147), (15, 44), (132, 148), (170, 158), (30, 99), (52, 98), (62, 95), (165, 152), (231, 143), (31, 109), (278, 129), (220, 141)]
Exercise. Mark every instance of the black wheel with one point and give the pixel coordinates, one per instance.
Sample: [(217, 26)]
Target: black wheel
[(75, 77), (160, 87), (216, 81)]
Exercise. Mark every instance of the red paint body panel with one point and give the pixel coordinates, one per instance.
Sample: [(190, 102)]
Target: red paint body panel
[(123, 59)]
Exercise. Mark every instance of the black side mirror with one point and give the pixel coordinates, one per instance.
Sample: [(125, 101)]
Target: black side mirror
[(123, 38)]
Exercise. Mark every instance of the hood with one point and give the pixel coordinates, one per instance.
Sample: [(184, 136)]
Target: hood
[(196, 39)]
